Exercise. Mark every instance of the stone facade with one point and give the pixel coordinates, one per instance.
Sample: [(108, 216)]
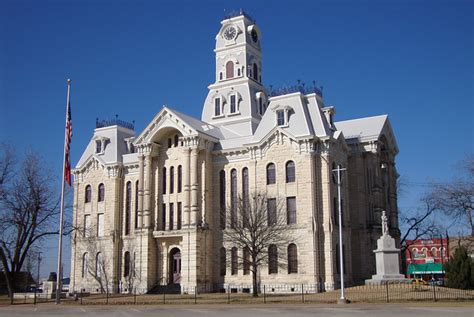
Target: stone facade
[(158, 221)]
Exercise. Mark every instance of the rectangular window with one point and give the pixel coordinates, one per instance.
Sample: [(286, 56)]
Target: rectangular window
[(280, 117), (271, 212), (100, 225), (291, 210), (178, 225), (217, 107), (98, 146), (233, 107), (163, 217), (171, 216), (87, 226)]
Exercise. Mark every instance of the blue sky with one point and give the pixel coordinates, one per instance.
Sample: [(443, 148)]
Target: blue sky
[(410, 59)]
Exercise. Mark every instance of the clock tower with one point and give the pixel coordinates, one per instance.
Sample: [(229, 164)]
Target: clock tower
[(237, 98)]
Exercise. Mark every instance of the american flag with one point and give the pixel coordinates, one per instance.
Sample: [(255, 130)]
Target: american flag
[(67, 144)]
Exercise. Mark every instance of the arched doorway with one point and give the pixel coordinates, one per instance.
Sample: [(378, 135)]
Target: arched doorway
[(175, 266)]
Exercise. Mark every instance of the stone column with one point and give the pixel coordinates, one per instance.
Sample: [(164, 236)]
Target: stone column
[(141, 163), (194, 187), (157, 195), (187, 190), (147, 191)]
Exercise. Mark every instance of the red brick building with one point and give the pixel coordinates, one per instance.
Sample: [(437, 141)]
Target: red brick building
[(425, 257)]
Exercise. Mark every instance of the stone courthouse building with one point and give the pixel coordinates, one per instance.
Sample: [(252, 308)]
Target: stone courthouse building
[(148, 205)]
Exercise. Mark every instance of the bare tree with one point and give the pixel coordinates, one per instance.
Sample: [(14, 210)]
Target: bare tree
[(28, 208), (456, 198), (130, 271), (98, 264), (253, 226), (419, 224)]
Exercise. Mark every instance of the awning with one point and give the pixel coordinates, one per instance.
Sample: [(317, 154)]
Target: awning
[(425, 268)]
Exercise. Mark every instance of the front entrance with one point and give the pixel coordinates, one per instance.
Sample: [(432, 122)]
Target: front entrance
[(175, 266)]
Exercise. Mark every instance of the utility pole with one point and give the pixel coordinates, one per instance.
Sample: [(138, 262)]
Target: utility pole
[(338, 171)]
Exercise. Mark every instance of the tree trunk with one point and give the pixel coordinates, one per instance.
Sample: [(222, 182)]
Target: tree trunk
[(10, 279), (254, 281)]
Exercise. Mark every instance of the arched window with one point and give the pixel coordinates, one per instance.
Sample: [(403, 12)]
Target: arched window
[(128, 207), (255, 71), (126, 268), (217, 107), (164, 180), (171, 179), (246, 257), (229, 70), (245, 196), (233, 198), (101, 192), (222, 258), (233, 103), (292, 259), (136, 204), (291, 210), (434, 251), (290, 171), (271, 179), (176, 140), (222, 198), (180, 179), (234, 261), (88, 195), (99, 264), (85, 263), (272, 259)]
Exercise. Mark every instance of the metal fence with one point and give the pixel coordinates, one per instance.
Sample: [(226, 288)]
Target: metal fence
[(301, 293)]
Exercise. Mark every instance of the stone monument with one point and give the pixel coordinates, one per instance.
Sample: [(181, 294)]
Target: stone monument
[(386, 257)]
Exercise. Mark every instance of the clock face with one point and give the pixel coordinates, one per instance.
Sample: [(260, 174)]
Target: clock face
[(230, 33), (254, 35)]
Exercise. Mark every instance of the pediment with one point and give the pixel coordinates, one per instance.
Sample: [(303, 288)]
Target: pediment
[(164, 121)]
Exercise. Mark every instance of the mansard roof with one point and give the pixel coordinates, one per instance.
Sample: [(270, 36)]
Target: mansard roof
[(113, 144), (367, 130)]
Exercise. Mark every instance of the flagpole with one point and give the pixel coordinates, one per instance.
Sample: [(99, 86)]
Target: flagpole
[(61, 214)]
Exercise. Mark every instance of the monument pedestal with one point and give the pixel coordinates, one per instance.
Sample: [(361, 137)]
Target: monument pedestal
[(386, 257)]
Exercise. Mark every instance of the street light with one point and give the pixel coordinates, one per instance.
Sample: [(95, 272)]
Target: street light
[(338, 171)]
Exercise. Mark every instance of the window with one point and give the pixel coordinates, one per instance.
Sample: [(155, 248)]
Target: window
[(100, 225), (234, 269), (290, 172), (255, 71), (164, 180), (176, 140), (280, 117), (88, 196), (233, 198), (169, 143), (335, 211), (271, 212), (271, 179), (246, 261), (272, 259), (99, 264), (85, 263), (222, 258), (101, 193), (87, 226), (163, 217), (180, 179), (220, 76), (233, 105), (238, 72), (128, 207), (98, 146), (291, 210), (292, 259), (178, 225), (217, 107), (136, 204), (229, 69), (434, 251), (222, 198), (245, 196), (171, 224), (260, 106), (126, 268), (171, 179)]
